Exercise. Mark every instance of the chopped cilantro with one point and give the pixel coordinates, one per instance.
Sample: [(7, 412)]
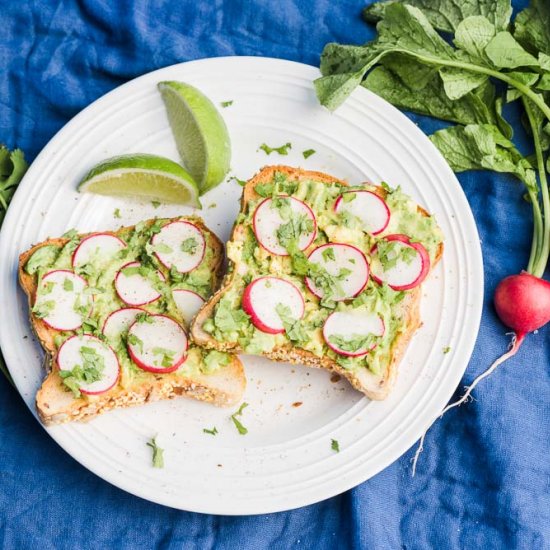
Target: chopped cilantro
[(167, 356), (43, 309), (162, 248), (225, 104), (116, 213), (293, 229), (446, 349), (242, 183), (241, 429), (348, 197), (213, 431), (354, 343), (189, 246), (143, 317), (391, 252), (68, 285), (264, 189), (91, 370), (158, 453), (328, 254), (334, 445), (308, 152), (133, 340), (47, 287), (70, 234), (282, 150), (155, 204), (293, 327)]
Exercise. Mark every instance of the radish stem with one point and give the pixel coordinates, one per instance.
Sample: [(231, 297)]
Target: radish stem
[(537, 265), (517, 340)]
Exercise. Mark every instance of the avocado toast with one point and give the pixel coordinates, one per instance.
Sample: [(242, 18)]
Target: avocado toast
[(112, 312), (323, 274)]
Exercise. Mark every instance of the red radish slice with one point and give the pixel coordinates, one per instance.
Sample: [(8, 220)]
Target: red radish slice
[(101, 246), (368, 207), (267, 220), (346, 326), (70, 355), (346, 257), (135, 289), (120, 321), (180, 245), (157, 344), (404, 275), (261, 298), (188, 303), (59, 294)]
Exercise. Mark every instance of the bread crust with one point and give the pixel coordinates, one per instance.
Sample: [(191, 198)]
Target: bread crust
[(374, 386), (55, 405)]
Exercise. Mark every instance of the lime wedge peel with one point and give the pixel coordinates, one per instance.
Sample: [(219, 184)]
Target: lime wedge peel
[(145, 176), (200, 133)]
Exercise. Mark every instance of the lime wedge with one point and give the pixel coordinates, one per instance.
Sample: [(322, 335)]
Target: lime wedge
[(200, 133), (147, 176)]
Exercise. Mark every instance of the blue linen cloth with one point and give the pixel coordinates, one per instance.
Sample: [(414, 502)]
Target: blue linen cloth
[(483, 480)]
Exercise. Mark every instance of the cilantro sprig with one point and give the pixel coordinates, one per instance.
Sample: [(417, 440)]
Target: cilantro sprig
[(240, 428)]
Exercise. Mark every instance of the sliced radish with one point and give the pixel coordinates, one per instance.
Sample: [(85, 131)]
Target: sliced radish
[(350, 327), (188, 303), (261, 298), (102, 246), (180, 245), (136, 289), (157, 344), (406, 273), (72, 353), (267, 220), (119, 321), (61, 302), (335, 258), (368, 207)]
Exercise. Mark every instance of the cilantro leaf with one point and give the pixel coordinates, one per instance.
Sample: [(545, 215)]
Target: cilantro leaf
[(189, 246), (240, 428), (158, 453), (334, 445), (308, 152), (213, 431), (282, 150)]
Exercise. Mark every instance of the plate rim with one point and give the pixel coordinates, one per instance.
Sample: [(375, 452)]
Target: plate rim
[(23, 194)]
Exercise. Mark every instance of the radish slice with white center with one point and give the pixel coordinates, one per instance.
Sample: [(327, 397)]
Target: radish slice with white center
[(347, 267), (267, 221), (77, 351), (157, 344), (262, 297), (180, 245), (368, 207), (188, 303), (99, 247), (135, 289), (407, 263), (120, 321), (351, 333), (61, 302)]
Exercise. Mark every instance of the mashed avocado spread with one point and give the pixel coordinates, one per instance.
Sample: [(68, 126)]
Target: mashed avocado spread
[(100, 275), (230, 323)]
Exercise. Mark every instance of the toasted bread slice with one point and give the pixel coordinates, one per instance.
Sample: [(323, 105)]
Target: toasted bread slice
[(223, 386), (376, 385)]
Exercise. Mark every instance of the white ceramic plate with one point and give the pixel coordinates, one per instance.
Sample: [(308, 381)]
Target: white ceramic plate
[(286, 460)]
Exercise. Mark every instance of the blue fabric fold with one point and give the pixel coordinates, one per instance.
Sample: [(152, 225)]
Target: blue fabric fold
[(483, 480)]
